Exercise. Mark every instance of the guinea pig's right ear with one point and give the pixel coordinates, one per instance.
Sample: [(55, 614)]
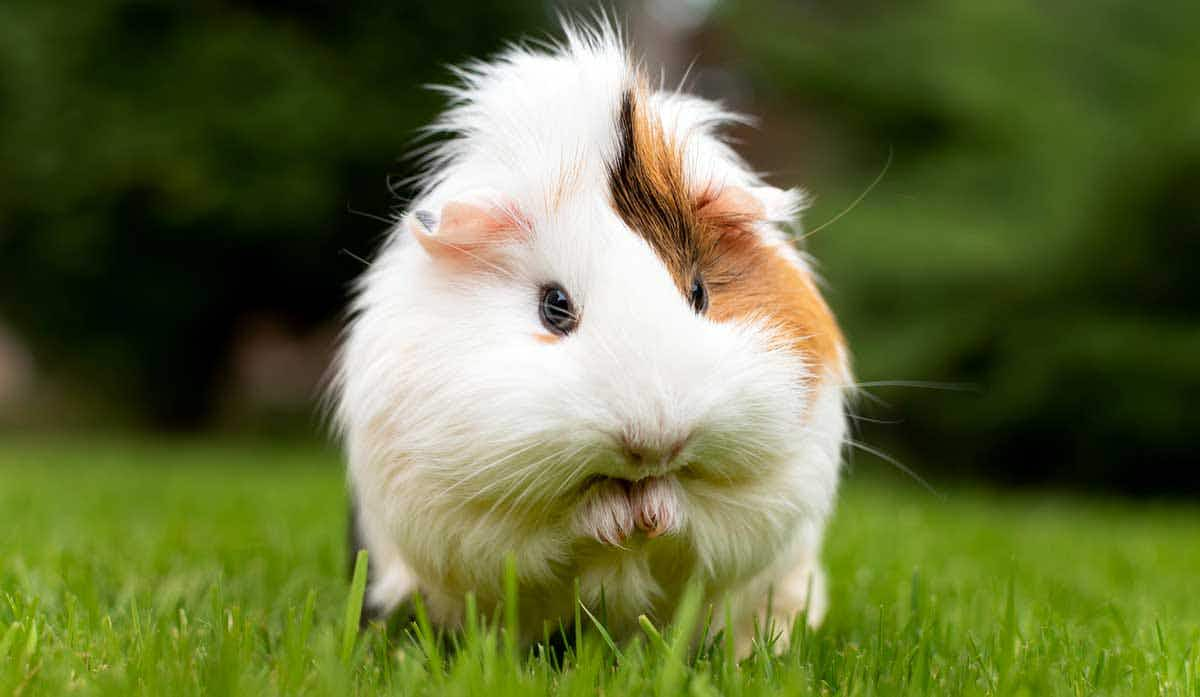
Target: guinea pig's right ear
[(469, 229), (756, 203)]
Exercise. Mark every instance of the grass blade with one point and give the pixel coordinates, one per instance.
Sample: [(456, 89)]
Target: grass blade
[(427, 638), (603, 632), (682, 628), (511, 622), (354, 605), (656, 639)]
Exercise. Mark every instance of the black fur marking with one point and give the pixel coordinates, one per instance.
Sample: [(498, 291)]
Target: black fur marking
[(649, 191)]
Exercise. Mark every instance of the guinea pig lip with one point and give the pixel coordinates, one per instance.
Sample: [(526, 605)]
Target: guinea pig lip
[(674, 471)]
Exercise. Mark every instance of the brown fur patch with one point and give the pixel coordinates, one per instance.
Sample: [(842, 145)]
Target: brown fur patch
[(748, 278), (700, 232), (650, 192)]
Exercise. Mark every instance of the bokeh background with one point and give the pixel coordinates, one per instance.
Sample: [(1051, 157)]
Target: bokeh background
[(186, 190)]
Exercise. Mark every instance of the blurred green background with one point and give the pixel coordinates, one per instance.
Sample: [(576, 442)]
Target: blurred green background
[(185, 190)]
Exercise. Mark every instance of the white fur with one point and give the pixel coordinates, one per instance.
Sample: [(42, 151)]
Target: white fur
[(468, 439)]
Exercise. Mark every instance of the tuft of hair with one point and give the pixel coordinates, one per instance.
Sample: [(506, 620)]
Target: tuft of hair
[(542, 116), (501, 109)]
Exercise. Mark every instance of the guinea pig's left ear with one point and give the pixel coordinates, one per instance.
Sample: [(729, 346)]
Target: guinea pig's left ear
[(468, 228), (754, 204)]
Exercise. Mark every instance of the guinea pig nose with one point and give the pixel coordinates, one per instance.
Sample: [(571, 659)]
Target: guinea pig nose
[(640, 453)]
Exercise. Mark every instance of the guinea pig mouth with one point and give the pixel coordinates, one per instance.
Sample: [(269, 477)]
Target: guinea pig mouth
[(674, 472)]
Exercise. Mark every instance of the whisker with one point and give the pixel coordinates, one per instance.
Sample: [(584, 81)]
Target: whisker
[(874, 399), (922, 384), (853, 204), (525, 491), (561, 454), (870, 420), (372, 216), (498, 483), (524, 473), (485, 469), (571, 479), (352, 255), (898, 465)]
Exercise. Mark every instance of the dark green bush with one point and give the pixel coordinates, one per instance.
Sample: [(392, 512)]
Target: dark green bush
[(1035, 235), (167, 169)]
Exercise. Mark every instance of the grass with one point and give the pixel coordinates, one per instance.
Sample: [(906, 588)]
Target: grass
[(186, 568)]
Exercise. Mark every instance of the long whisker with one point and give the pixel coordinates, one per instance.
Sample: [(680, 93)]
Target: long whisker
[(517, 473), (921, 384), (485, 469), (570, 479), (354, 256), (501, 500), (853, 204), (872, 398), (870, 420), (372, 216), (532, 470), (532, 487), (898, 465)]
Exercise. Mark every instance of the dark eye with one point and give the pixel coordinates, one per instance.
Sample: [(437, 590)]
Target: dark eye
[(558, 314), (698, 296)]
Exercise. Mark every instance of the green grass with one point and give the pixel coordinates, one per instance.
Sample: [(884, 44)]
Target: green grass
[(185, 568)]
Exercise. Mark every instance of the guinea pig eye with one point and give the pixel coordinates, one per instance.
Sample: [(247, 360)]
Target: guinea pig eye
[(558, 314), (698, 296)]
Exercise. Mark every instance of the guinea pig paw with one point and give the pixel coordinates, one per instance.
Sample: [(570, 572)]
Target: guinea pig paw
[(606, 514), (655, 506)]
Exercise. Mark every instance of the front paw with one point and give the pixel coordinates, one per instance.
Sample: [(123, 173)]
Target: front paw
[(605, 513), (656, 508)]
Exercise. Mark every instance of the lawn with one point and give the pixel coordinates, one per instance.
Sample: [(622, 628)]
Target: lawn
[(195, 568)]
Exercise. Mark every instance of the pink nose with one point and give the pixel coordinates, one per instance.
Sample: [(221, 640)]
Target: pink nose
[(641, 453)]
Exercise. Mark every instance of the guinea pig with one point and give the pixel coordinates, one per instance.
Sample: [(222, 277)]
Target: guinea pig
[(590, 343)]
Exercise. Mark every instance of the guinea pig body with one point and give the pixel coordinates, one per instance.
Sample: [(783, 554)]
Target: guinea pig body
[(589, 344)]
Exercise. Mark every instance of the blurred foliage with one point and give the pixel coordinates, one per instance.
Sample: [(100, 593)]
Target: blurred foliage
[(168, 169), (1036, 234)]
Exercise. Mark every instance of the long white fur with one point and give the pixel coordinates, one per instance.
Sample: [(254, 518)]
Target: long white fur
[(467, 439)]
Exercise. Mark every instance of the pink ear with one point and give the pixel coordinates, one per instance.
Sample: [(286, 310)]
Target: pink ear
[(469, 229), (757, 203)]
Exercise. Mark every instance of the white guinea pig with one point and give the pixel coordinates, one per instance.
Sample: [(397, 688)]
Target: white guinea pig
[(589, 344)]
